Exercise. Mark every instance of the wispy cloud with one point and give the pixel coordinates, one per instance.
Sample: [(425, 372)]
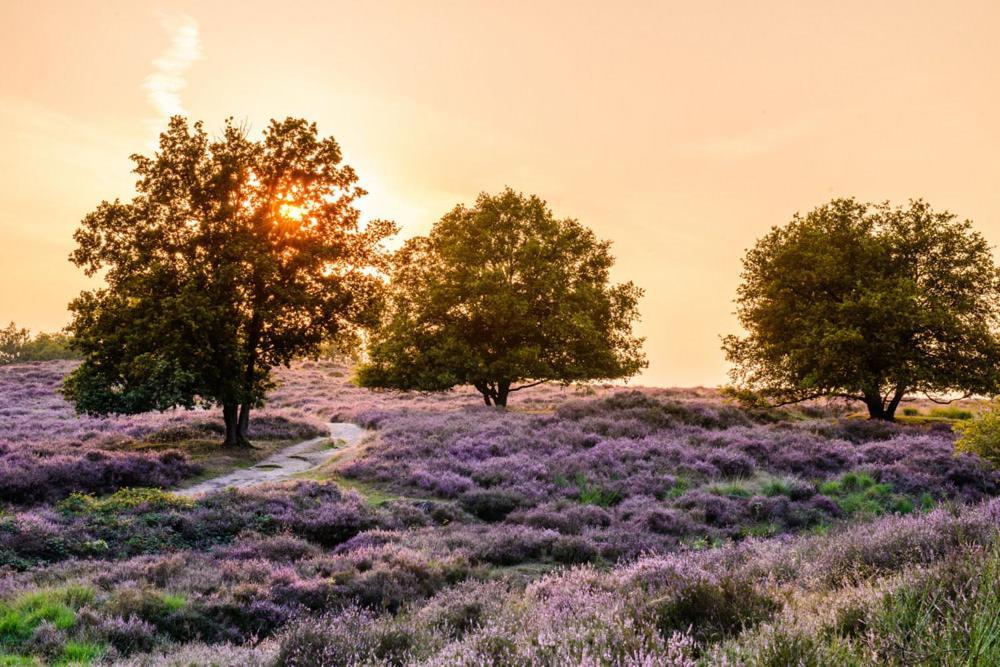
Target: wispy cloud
[(164, 85)]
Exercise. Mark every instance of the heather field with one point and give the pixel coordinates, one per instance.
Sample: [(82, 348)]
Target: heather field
[(583, 526)]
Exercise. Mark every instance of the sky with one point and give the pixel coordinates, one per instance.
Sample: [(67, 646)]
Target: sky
[(681, 131)]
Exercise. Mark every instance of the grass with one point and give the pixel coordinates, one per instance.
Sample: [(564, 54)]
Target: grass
[(592, 494), (20, 616), (122, 500), (330, 472), (80, 653), (858, 494), (952, 412), (681, 486), (746, 487), (739, 488), (373, 494)]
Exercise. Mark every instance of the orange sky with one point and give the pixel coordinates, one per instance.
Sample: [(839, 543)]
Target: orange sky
[(680, 130)]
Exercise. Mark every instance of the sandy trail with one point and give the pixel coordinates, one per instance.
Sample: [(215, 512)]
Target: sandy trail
[(287, 462)]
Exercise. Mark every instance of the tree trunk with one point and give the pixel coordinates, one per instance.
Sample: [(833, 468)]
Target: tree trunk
[(484, 389), (503, 390), (229, 415), (243, 426), (253, 340), (890, 410), (876, 408)]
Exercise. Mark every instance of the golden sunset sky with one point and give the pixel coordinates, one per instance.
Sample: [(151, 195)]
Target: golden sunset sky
[(681, 131)]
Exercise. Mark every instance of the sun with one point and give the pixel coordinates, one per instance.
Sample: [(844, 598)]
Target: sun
[(292, 212)]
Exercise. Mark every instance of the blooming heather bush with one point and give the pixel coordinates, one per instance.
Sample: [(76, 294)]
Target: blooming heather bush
[(506, 544), (133, 522), (655, 474), (418, 605), (26, 477)]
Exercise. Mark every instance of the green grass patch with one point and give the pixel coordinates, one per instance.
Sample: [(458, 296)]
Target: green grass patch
[(20, 616), (173, 602), (859, 494), (952, 412), (680, 486), (761, 484), (123, 500), (80, 653), (776, 487), (592, 494), (732, 489)]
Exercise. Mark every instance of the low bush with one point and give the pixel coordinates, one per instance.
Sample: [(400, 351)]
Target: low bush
[(981, 436)]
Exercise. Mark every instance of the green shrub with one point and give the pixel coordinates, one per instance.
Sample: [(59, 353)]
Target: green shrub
[(981, 436), (911, 412), (952, 412), (153, 500)]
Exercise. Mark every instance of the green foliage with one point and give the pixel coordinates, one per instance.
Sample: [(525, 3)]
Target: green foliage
[(123, 500), (593, 494), (911, 412), (19, 617), (502, 294), (732, 489), (77, 653), (857, 493), (777, 487), (234, 257), (680, 486), (869, 302), (18, 345), (949, 617), (952, 413), (981, 436)]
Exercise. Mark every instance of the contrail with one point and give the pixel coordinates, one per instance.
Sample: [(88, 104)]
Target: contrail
[(164, 84)]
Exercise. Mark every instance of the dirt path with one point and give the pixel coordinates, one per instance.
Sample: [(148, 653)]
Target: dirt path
[(287, 462)]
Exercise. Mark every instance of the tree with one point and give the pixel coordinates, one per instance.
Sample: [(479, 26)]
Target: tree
[(503, 296), (13, 340), (234, 257), (18, 345), (868, 302)]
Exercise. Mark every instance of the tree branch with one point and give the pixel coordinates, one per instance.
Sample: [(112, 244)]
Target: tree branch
[(824, 394), (530, 384), (941, 401)]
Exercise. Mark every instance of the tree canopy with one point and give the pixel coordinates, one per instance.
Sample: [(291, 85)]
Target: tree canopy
[(17, 345), (234, 256), (501, 296), (868, 302)]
